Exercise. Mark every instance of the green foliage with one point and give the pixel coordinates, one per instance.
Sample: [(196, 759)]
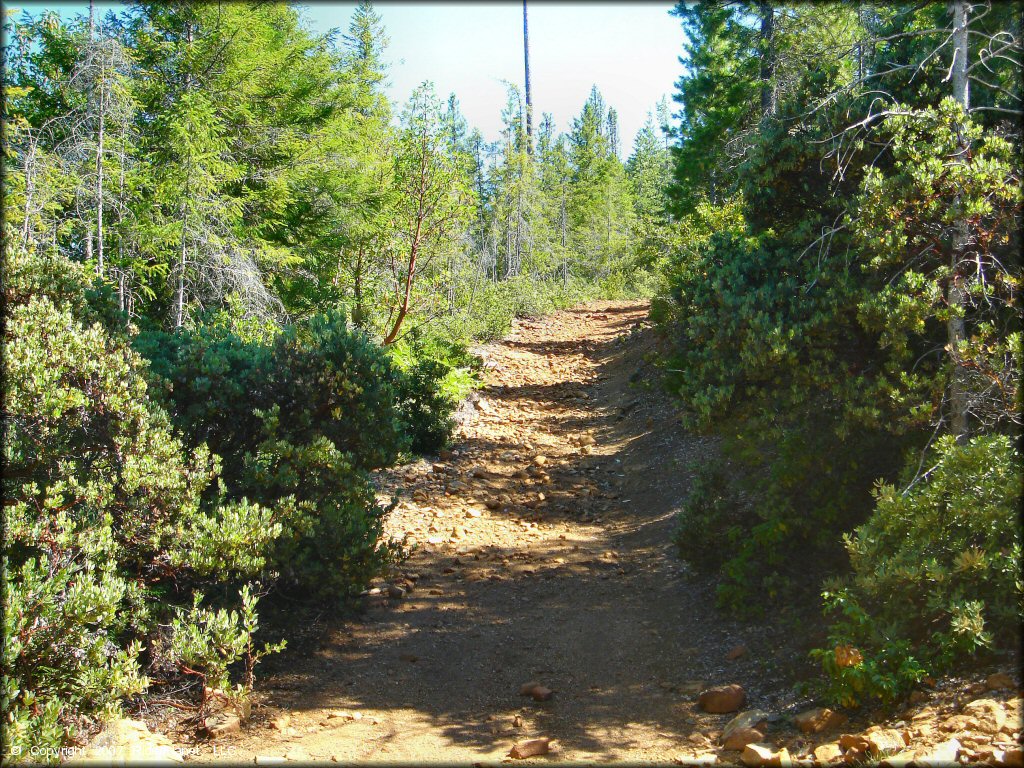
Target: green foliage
[(103, 513), (842, 287), (332, 525), (299, 418), (936, 572), (206, 642)]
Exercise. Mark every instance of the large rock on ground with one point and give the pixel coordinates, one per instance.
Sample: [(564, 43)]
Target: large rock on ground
[(740, 737), (738, 731), (818, 720), (985, 715), (884, 742), (755, 755), (722, 699)]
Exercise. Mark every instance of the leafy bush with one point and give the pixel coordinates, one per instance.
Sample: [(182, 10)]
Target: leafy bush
[(936, 573), (104, 517), (331, 543), (777, 500), (299, 417)]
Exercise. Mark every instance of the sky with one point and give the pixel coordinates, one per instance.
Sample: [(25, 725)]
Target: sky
[(630, 50)]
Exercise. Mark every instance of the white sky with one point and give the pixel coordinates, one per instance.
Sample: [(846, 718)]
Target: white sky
[(629, 50)]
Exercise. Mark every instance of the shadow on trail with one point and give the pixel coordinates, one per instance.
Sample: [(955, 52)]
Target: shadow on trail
[(606, 617)]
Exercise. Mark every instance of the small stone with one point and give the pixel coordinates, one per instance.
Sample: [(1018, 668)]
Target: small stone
[(818, 720), (540, 460), (740, 737), (281, 722), (526, 689), (751, 719), (827, 753), (722, 699), (999, 681), (223, 725), (473, 513), (530, 748), (940, 755), (885, 741), (755, 755), (483, 405), (395, 592), (853, 741), (899, 760)]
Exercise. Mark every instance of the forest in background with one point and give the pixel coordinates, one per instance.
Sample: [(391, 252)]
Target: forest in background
[(236, 284)]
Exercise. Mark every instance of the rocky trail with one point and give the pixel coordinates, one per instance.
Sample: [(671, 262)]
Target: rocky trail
[(543, 612)]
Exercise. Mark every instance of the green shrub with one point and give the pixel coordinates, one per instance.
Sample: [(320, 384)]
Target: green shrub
[(774, 502), (712, 517), (332, 541), (104, 518), (299, 417), (936, 573)]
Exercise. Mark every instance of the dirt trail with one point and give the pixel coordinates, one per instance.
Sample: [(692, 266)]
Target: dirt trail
[(557, 570)]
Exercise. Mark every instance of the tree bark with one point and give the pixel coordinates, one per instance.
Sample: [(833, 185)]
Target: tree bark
[(956, 296), (767, 73), (99, 174), (529, 93)]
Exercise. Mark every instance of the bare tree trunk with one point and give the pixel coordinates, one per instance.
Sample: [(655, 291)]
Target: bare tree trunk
[(358, 317), (767, 59), (956, 295), (414, 248), (529, 94), (182, 265), (99, 175)]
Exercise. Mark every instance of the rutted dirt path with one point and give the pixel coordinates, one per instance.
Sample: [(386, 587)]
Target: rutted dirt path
[(542, 554), (556, 569)]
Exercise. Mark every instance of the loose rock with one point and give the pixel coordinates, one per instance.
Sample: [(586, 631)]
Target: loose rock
[(722, 699), (751, 719), (222, 725), (530, 748), (818, 720), (827, 753), (762, 754), (885, 741), (740, 737), (941, 755), (985, 715)]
